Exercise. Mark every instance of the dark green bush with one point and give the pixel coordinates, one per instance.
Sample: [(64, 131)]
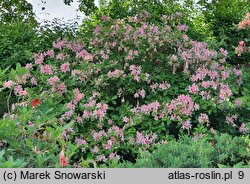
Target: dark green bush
[(185, 153), (222, 151), (230, 150)]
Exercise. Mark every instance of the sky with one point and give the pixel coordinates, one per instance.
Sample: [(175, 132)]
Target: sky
[(56, 9)]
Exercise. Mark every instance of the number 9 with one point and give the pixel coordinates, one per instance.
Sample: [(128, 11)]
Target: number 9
[(241, 174)]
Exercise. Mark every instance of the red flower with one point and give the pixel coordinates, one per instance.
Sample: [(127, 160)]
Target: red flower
[(36, 102), (62, 159)]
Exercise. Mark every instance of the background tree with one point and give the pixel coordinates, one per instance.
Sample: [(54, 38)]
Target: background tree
[(223, 17), (14, 10)]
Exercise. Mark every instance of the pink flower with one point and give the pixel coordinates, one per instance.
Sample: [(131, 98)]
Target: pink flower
[(142, 93), (8, 84), (39, 58), (105, 18), (59, 43), (99, 114), (237, 102), (185, 37), (65, 67), (182, 27), (62, 159), (223, 52), (237, 72), (71, 106), (115, 74), (231, 119), (205, 84), (203, 118), (186, 124), (33, 81), (110, 122), (98, 135), (246, 22), (97, 30), (136, 95), (28, 66), (112, 156), (81, 54), (154, 105), (47, 69), (225, 92), (101, 158), (212, 130), (241, 43), (145, 139), (243, 129), (61, 88), (94, 150), (107, 146), (23, 93), (89, 57), (164, 85), (79, 119), (239, 50), (125, 119), (80, 141), (67, 115), (86, 114), (78, 95), (50, 53), (224, 75), (53, 80), (60, 56), (18, 89), (193, 89)]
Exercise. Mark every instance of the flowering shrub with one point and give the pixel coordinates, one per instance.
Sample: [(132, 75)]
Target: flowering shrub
[(132, 83)]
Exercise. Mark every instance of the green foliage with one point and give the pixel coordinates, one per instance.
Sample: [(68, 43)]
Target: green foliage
[(230, 150), (16, 10), (133, 79), (223, 17), (10, 162), (223, 151), (121, 88), (17, 43), (184, 153), (21, 39), (86, 6), (33, 138)]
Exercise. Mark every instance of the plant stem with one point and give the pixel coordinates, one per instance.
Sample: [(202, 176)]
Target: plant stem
[(8, 102)]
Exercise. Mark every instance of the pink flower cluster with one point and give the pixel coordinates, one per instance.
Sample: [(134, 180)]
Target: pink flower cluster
[(151, 107), (246, 22), (193, 89), (240, 48), (203, 118), (186, 124), (231, 119), (18, 90), (8, 84), (183, 105), (141, 93), (115, 74), (135, 72), (145, 139), (225, 92), (65, 67), (243, 129)]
